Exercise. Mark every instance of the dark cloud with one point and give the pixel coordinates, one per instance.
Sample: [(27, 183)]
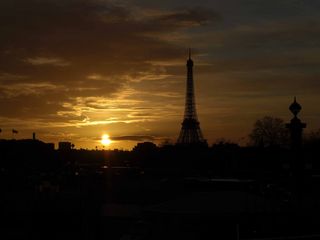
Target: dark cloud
[(64, 40), (92, 30), (188, 17), (134, 138)]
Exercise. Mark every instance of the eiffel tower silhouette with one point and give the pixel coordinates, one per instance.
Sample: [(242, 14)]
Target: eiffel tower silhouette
[(190, 133)]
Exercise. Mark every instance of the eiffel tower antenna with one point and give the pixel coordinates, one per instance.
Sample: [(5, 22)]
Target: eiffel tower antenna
[(190, 133)]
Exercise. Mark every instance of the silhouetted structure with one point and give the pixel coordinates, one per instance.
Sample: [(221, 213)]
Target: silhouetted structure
[(65, 146), (190, 131), (295, 126)]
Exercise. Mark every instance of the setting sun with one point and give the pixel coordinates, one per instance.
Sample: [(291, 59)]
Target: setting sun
[(105, 140)]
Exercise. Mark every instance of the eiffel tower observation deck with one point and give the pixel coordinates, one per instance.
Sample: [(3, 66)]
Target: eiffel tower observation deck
[(190, 133)]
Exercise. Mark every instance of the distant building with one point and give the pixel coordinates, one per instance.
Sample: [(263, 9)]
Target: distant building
[(145, 147), (50, 146), (65, 146)]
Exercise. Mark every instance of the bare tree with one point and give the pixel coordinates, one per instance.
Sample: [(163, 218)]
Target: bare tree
[(269, 131)]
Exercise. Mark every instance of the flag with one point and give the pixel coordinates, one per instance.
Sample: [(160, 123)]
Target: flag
[(14, 131)]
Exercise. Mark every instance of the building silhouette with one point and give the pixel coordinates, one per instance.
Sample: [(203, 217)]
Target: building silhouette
[(190, 133), (65, 146), (295, 126)]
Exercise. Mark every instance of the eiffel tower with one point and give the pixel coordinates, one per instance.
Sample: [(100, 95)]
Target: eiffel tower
[(190, 133)]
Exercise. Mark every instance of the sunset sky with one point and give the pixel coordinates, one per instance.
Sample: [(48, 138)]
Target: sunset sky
[(74, 70)]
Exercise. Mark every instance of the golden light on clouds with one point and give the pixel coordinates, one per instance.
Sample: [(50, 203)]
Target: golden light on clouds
[(249, 62), (105, 140)]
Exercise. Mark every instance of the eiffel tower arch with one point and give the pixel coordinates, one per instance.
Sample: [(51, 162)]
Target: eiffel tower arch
[(190, 133)]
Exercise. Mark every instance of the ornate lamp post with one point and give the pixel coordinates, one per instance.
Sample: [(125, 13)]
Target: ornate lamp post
[(295, 126)]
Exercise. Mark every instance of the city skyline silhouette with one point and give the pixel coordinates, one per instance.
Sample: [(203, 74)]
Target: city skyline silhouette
[(225, 190), (190, 133)]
